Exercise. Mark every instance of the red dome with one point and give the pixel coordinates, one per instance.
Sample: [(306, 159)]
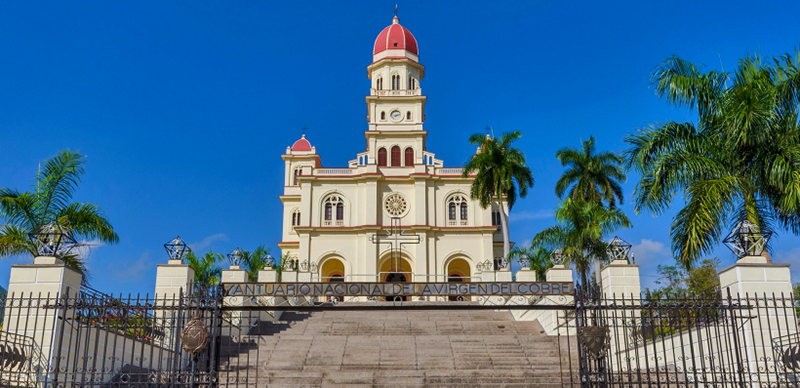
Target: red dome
[(301, 145), (395, 37)]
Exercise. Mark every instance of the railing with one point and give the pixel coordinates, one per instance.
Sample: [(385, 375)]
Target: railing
[(401, 92), (449, 171), (333, 171)]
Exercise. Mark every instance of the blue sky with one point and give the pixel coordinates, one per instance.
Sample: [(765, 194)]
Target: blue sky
[(184, 108)]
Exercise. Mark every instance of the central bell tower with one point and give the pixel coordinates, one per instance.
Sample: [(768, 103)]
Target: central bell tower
[(395, 104), (395, 101)]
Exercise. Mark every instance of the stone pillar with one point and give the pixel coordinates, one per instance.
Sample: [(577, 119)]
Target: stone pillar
[(620, 279), (31, 286), (289, 276), (174, 278), (559, 273), (526, 275), (553, 322), (621, 285), (239, 321), (268, 275), (767, 289), (503, 275)]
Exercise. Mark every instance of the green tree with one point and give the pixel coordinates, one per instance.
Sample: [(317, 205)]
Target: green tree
[(581, 231), (701, 282), (538, 257), (796, 294), (739, 161), (500, 172), (51, 200), (206, 271), (254, 261), (591, 176)]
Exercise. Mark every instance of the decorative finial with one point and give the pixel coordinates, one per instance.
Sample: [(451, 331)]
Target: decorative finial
[(304, 130), (395, 10)]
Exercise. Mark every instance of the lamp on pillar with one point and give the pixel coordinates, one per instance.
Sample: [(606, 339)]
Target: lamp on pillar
[(177, 249), (618, 249), (52, 240), (747, 240), (524, 261), (557, 257), (235, 257)]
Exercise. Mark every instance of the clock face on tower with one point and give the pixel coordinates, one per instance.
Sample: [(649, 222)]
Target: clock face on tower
[(395, 115)]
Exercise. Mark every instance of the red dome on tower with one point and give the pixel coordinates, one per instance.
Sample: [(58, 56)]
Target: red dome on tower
[(395, 37), (301, 144)]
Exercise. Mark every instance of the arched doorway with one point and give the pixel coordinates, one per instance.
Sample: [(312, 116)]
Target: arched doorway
[(332, 270), (402, 274), (458, 271)]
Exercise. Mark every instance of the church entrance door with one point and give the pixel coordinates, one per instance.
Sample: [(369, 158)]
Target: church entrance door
[(396, 277)]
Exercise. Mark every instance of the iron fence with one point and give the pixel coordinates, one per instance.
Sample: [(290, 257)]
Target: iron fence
[(685, 341)]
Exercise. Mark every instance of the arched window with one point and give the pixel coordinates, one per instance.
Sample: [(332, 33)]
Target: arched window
[(395, 156), (379, 83), (457, 202), (408, 115), (395, 82), (382, 157), (409, 156), (383, 115), (410, 79), (297, 172), (295, 217), (332, 202)]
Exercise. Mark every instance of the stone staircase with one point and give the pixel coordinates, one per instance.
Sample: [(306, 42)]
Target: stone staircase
[(384, 348)]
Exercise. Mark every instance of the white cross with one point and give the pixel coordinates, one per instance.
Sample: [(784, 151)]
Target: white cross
[(396, 239)]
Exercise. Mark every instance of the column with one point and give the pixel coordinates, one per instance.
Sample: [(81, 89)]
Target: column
[(769, 320), (31, 288), (621, 286), (238, 321)]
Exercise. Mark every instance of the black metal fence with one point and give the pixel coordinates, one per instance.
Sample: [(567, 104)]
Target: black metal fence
[(684, 341), (90, 339)]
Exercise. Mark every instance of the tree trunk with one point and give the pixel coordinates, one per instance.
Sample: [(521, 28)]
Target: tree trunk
[(583, 279), (504, 227)]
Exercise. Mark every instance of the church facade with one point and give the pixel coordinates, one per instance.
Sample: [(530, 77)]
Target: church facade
[(395, 213)]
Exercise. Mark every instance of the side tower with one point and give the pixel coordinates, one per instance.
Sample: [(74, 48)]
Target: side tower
[(300, 160)]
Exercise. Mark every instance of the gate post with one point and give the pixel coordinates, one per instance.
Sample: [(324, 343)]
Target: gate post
[(239, 324), (174, 280), (621, 286), (31, 313), (767, 326)]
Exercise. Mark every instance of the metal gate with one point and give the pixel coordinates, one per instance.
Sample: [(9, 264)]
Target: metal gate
[(687, 341)]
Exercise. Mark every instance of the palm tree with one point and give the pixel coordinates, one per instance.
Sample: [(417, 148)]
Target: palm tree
[(583, 226), (254, 261), (500, 171), (591, 176), (537, 256), (740, 161), (50, 200), (206, 271)]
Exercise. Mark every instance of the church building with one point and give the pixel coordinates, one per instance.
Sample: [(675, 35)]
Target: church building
[(395, 213)]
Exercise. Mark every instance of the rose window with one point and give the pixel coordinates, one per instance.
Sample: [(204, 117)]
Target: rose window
[(395, 205)]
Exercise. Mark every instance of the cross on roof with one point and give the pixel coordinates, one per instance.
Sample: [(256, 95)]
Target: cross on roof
[(395, 9), (304, 129), (396, 238)]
